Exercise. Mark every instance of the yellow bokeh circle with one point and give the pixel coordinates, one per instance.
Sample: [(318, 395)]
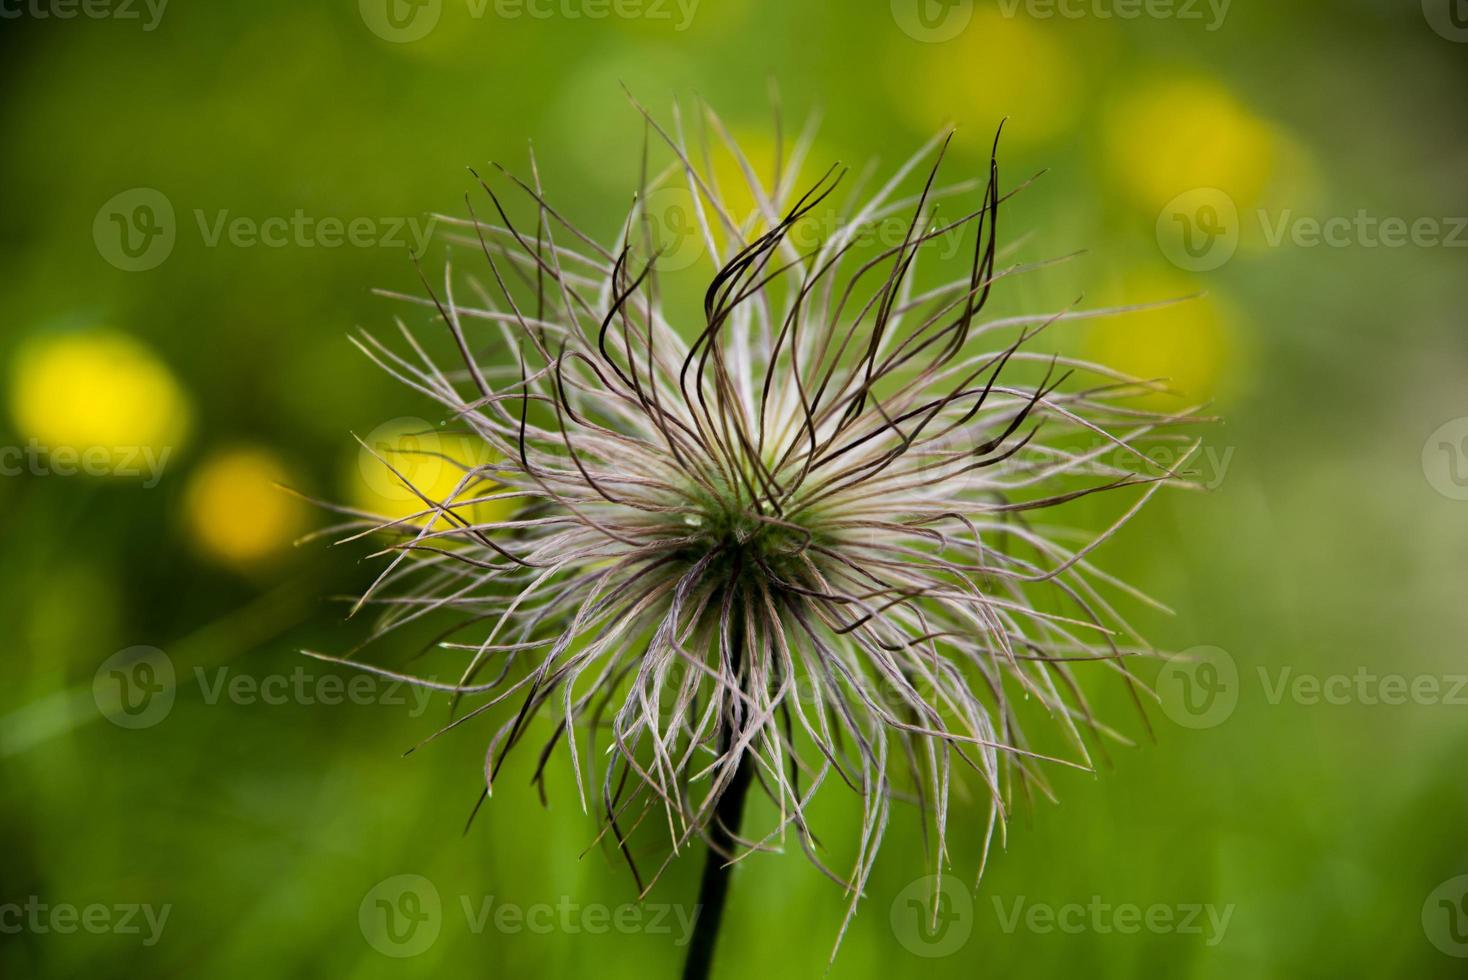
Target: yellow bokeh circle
[(408, 457), (999, 67), (99, 392), (1190, 345), (237, 510), (1166, 137)]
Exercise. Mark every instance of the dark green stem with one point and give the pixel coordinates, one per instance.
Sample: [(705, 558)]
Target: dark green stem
[(713, 889)]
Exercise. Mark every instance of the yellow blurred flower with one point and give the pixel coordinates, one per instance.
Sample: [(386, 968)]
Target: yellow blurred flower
[(1164, 138), (999, 66), (101, 393), (1190, 345), (677, 233), (432, 461), (236, 510)]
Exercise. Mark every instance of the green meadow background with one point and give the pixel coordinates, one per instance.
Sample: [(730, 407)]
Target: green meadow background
[(1186, 150)]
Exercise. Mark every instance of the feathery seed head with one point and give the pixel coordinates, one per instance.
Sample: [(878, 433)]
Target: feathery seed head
[(788, 545)]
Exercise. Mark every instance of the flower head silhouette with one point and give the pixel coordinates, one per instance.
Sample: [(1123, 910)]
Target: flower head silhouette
[(784, 544)]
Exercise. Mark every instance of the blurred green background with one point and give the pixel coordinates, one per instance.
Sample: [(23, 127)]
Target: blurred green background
[(1333, 543)]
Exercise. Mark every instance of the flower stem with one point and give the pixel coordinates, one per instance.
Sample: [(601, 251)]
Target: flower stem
[(713, 889)]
